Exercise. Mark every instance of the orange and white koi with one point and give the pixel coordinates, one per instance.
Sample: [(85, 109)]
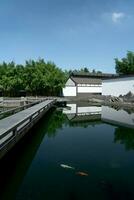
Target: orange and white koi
[(82, 173)]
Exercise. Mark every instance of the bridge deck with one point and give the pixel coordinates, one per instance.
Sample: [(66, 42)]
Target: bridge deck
[(12, 128), (14, 120)]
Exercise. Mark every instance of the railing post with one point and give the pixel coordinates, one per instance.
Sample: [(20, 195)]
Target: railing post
[(15, 131)]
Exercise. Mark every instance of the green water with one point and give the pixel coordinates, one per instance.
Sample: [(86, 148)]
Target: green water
[(104, 151)]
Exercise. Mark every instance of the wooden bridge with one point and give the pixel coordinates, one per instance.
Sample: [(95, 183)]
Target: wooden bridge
[(14, 127)]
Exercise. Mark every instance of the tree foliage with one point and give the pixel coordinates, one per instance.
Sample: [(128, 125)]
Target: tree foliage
[(35, 77), (124, 136), (125, 65), (84, 70)]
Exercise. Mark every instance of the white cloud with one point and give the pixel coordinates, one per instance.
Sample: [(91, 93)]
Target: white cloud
[(117, 17)]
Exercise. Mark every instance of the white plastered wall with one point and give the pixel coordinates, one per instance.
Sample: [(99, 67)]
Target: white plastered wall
[(70, 82), (118, 86), (90, 89), (69, 91)]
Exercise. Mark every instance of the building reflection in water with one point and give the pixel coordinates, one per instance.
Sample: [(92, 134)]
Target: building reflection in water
[(85, 112), (82, 112), (118, 117), (122, 119)]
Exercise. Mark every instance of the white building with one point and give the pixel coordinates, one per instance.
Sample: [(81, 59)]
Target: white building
[(118, 86), (82, 85)]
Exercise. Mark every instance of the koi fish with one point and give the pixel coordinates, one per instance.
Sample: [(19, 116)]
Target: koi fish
[(82, 173), (67, 166)]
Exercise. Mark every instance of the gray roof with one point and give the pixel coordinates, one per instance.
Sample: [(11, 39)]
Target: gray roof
[(85, 80), (121, 76), (98, 75)]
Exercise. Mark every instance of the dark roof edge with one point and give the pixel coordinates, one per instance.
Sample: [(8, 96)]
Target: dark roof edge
[(91, 75), (102, 76), (120, 76), (72, 80)]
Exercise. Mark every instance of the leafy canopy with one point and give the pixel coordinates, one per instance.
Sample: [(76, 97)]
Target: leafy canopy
[(125, 65), (35, 78)]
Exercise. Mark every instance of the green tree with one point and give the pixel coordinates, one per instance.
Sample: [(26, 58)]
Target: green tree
[(35, 77), (125, 65)]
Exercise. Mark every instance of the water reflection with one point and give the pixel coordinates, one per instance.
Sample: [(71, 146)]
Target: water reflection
[(58, 119), (121, 117), (82, 112), (35, 171), (88, 149), (14, 166), (124, 136)]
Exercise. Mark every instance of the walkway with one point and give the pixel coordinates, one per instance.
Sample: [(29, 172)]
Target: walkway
[(15, 126)]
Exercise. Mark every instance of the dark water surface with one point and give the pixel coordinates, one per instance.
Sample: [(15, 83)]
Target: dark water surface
[(98, 141)]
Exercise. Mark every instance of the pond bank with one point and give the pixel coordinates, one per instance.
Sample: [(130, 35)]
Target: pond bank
[(121, 102), (104, 100)]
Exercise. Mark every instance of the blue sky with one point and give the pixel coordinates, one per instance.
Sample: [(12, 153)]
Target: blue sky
[(72, 33)]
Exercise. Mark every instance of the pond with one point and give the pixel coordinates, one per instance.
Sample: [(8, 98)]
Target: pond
[(78, 152)]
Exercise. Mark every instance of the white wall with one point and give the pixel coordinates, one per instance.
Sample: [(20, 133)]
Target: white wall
[(70, 88), (69, 91), (90, 89), (70, 82), (116, 87)]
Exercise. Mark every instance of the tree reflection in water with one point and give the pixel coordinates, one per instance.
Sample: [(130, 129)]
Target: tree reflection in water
[(124, 136), (56, 121)]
